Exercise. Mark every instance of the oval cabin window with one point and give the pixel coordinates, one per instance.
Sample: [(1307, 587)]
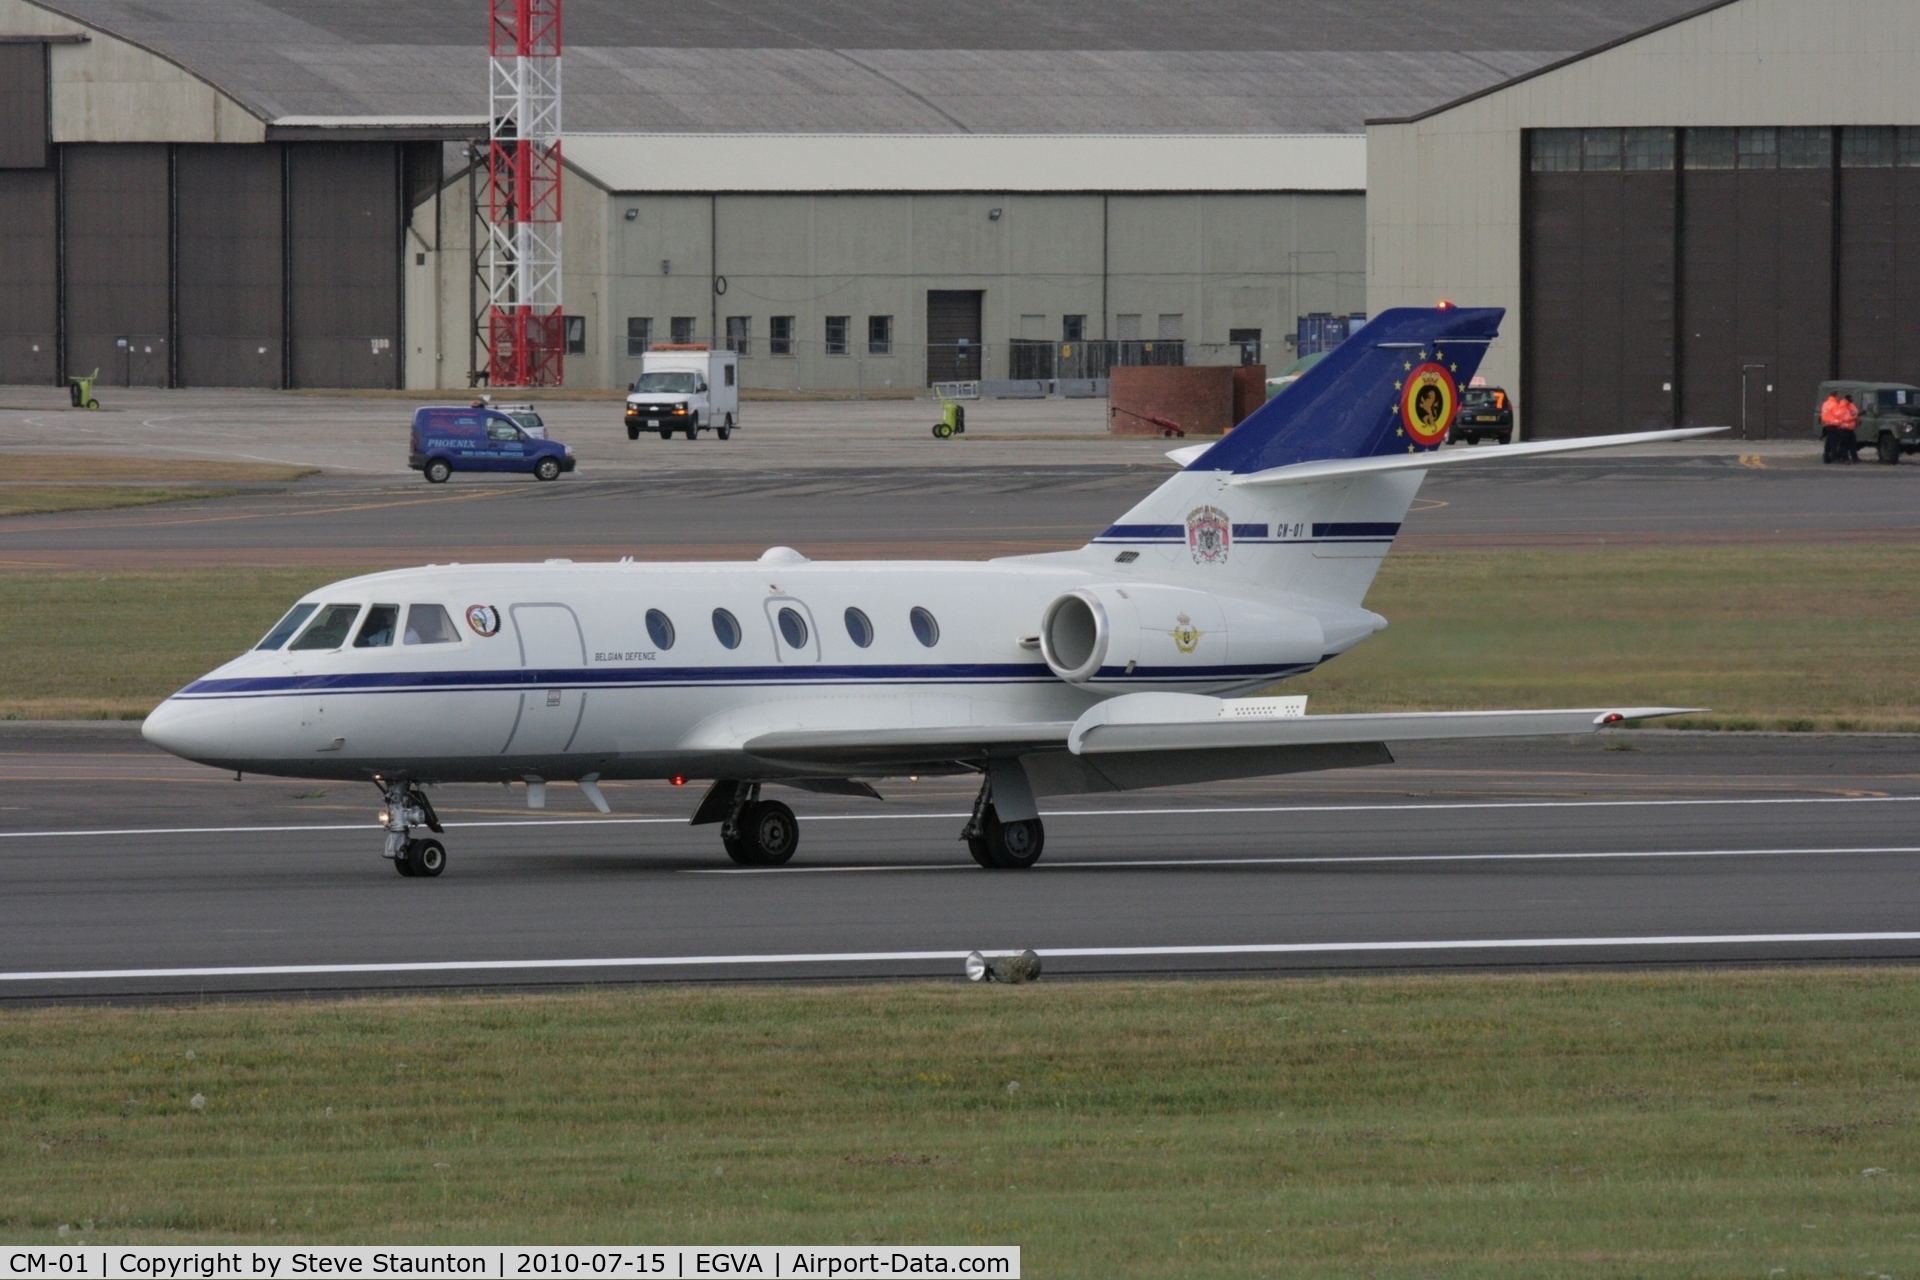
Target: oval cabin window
[(727, 628), (925, 629), (859, 628), (660, 627), (794, 628)]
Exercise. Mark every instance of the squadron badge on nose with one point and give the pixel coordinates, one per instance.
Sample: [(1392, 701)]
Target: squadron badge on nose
[(484, 619), (1209, 535)]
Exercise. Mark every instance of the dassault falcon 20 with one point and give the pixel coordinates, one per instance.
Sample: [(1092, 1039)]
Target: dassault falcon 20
[(1123, 664)]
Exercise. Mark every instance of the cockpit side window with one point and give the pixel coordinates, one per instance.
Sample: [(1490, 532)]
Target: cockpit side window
[(377, 631), (329, 627), (287, 626), (429, 624)]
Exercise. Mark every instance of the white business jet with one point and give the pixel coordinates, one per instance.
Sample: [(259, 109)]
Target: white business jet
[(1124, 664)]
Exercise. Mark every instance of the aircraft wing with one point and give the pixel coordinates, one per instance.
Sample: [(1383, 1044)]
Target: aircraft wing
[(865, 746)]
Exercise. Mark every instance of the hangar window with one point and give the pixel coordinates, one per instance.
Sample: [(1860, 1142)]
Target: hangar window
[(879, 335), (329, 627), (780, 336), (1711, 148), (428, 624), (286, 626), (1646, 149), (837, 335), (1555, 150), (1759, 149), (660, 628), (639, 334), (793, 628), (682, 329), (1600, 149), (1868, 147), (576, 329), (1073, 328), (739, 331), (1909, 147), (859, 628), (377, 631), (727, 628), (925, 629), (1806, 148)]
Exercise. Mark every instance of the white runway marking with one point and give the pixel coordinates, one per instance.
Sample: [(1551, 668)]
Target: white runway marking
[(895, 957), (1050, 813), (1336, 859)]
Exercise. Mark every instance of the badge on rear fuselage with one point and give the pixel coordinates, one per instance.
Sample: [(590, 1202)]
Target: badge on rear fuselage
[(484, 619), (1209, 535), (1428, 399)]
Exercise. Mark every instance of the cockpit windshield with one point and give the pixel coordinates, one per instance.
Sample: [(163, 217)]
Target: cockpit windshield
[(286, 626), (677, 383), (377, 631), (329, 628)]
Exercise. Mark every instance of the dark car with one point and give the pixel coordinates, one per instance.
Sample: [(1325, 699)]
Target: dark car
[(446, 440), (1484, 411)]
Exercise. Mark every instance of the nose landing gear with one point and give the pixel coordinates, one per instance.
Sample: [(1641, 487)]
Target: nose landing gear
[(407, 807)]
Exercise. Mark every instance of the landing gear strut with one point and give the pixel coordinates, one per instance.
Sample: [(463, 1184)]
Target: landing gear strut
[(407, 807), (997, 845)]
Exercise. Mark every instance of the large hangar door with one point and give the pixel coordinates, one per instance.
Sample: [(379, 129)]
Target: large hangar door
[(1880, 254), (953, 335), (1600, 281), (228, 208), (29, 284), (117, 262), (345, 264)]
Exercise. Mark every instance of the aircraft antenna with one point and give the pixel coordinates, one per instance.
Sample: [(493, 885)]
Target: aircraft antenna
[(526, 333)]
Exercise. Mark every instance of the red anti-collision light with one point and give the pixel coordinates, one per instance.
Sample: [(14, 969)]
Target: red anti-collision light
[(1445, 305), (1612, 717), (679, 781)]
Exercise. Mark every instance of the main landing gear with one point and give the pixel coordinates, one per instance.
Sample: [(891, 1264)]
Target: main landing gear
[(407, 807), (998, 845), (756, 832)]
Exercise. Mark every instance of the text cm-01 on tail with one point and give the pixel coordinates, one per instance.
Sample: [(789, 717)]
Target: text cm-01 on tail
[(1120, 665)]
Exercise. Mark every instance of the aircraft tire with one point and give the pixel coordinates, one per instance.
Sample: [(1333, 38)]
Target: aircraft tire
[(1013, 846), (977, 846), (769, 834), (429, 857), (403, 862)]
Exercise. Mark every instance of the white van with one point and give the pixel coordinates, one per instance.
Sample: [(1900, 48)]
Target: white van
[(687, 388)]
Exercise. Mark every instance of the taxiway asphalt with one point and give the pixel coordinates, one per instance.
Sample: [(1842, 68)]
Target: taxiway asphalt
[(125, 873)]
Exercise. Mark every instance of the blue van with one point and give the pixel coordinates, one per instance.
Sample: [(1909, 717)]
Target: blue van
[(446, 440)]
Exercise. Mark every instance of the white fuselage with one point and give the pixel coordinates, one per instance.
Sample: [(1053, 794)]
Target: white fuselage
[(574, 682)]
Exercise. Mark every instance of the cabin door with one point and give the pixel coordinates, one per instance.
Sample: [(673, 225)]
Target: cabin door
[(554, 656)]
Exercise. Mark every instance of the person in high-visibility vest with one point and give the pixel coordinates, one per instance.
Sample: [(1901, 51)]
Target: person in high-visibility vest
[(1846, 440), (1833, 420)]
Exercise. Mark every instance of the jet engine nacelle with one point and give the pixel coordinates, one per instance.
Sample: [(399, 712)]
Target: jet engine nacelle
[(1146, 636)]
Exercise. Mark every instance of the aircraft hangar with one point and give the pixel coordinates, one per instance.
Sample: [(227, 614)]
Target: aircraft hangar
[(1693, 226), (278, 193)]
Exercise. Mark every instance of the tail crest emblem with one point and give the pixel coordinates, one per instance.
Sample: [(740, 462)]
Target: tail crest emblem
[(1209, 535)]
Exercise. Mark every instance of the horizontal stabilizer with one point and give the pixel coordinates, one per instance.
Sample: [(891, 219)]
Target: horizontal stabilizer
[(1427, 460), (1193, 722)]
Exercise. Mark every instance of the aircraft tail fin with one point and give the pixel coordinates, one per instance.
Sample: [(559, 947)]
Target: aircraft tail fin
[(1390, 390)]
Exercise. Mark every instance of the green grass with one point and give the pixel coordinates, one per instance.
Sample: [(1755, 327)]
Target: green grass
[(112, 645), (1691, 1124), (50, 499), (1767, 637)]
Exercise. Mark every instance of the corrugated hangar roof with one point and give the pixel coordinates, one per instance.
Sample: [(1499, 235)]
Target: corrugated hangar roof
[(866, 66)]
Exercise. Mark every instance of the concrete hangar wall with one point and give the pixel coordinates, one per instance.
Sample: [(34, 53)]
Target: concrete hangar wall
[(893, 261), (277, 192), (1693, 226)]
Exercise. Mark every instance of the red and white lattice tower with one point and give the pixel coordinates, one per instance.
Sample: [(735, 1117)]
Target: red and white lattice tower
[(526, 333)]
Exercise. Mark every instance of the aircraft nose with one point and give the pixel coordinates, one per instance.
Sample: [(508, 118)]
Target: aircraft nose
[(190, 728)]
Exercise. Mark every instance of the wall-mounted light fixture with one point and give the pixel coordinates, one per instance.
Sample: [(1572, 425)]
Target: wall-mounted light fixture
[(632, 214), (993, 215)]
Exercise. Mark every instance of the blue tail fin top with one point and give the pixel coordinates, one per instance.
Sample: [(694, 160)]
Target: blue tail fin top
[(1392, 387)]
